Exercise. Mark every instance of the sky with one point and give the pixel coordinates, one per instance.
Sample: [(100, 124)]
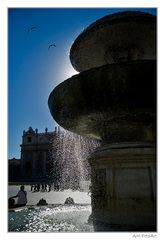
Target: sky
[(34, 70)]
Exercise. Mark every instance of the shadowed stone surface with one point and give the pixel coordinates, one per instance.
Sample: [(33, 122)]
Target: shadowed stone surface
[(103, 101), (118, 37), (124, 187)]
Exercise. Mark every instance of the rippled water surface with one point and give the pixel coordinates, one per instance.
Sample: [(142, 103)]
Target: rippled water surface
[(63, 218)]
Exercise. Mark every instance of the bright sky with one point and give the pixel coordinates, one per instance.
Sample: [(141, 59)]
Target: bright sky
[(33, 70)]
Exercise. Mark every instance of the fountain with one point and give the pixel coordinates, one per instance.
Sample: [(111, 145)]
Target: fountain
[(113, 99), (69, 153)]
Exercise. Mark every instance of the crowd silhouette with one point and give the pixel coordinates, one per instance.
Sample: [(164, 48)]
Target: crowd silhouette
[(44, 187), (41, 187)]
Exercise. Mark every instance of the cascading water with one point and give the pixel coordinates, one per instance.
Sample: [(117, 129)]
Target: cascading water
[(70, 166)]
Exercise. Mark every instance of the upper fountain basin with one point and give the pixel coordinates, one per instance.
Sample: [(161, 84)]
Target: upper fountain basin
[(99, 100), (118, 37)]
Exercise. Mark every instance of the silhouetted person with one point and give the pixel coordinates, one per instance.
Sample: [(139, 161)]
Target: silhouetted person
[(49, 185), (54, 187), (35, 188), (32, 186), (58, 187), (22, 197), (45, 187), (42, 188), (38, 187)]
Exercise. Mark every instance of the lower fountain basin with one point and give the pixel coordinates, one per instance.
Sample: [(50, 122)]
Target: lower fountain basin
[(60, 218), (97, 102)]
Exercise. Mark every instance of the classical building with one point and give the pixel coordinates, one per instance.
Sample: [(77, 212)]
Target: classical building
[(43, 160), (36, 163)]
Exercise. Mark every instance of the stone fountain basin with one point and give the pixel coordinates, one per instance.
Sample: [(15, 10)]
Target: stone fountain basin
[(96, 102), (121, 36)]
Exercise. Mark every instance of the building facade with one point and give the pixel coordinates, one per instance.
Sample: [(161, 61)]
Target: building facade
[(35, 163), (59, 157)]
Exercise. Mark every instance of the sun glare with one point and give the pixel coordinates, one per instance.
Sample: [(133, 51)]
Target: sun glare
[(71, 71), (68, 71)]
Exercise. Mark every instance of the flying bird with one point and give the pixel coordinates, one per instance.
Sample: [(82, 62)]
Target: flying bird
[(51, 45), (31, 29)]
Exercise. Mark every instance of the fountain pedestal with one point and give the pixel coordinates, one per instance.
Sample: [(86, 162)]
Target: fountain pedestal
[(123, 186), (114, 99)]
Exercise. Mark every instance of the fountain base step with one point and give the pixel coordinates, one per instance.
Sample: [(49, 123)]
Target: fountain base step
[(102, 226), (124, 186)]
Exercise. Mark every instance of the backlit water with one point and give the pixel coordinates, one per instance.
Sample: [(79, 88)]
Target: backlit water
[(69, 154), (62, 218)]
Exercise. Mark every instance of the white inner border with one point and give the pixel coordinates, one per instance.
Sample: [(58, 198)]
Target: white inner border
[(4, 5)]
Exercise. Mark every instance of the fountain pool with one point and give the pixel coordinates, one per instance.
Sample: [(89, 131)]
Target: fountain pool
[(57, 218)]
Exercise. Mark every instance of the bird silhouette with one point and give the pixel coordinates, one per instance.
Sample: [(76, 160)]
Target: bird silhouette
[(51, 45), (31, 29)]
